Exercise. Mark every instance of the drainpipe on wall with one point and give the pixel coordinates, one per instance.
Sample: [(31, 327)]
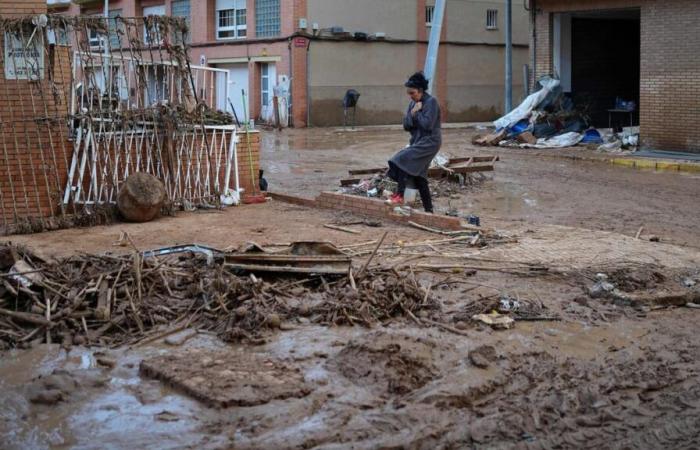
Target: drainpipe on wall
[(290, 106), (434, 43), (533, 14), (509, 57), (308, 85)]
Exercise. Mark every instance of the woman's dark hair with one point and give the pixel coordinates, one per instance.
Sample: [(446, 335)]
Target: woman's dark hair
[(417, 81)]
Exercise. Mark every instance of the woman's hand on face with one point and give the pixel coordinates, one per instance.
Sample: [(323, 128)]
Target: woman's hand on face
[(417, 107)]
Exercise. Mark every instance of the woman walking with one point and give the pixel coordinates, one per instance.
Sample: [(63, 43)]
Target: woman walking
[(422, 120)]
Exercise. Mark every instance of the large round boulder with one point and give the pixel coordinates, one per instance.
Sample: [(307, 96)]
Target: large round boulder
[(141, 197)]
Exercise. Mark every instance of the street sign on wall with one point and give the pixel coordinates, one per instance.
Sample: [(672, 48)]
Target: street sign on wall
[(23, 56)]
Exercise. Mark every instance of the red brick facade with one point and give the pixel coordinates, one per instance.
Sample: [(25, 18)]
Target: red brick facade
[(670, 84)]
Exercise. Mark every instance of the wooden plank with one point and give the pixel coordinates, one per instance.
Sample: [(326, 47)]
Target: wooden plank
[(367, 171), (289, 269), (474, 158), (439, 172), (286, 258), (349, 181)]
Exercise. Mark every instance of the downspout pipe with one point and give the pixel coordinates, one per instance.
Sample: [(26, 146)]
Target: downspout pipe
[(308, 84), (434, 43), (290, 106), (509, 57)]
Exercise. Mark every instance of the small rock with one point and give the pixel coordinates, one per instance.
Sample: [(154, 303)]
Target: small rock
[(482, 356), (303, 320), (45, 396), (461, 325), (167, 416), (654, 239), (79, 340), (180, 338), (241, 311), (423, 314), (274, 321), (689, 282), (108, 362)]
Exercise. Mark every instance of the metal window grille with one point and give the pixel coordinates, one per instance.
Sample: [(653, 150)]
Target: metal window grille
[(114, 38), (491, 19), (267, 18), (231, 22), (429, 11), (181, 8)]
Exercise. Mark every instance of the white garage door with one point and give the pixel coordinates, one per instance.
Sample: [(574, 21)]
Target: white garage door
[(237, 80)]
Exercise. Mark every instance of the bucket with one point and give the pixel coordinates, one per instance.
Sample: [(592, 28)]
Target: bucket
[(410, 195)]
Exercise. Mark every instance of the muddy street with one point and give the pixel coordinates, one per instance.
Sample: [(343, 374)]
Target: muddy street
[(524, 187), (580, 363)]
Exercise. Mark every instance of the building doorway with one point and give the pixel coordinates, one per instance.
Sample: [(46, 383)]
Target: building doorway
[(237, 81), (597, 57), (268, 81)]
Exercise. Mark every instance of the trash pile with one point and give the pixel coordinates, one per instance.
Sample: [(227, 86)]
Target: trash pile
[(549, 119), (645, 287), (110, 300), (452, 185)]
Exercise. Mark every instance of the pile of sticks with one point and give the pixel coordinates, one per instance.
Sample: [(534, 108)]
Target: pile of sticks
[(112, 300)]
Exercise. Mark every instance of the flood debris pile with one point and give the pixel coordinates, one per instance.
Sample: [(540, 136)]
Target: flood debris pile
[(645, 287), (462, 174), (550, 119), (113, 300)]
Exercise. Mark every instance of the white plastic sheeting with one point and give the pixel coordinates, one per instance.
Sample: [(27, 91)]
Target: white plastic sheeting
[(561, 141), (524, 110)]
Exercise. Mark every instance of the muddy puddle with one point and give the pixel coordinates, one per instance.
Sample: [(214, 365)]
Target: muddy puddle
[(555, 384)]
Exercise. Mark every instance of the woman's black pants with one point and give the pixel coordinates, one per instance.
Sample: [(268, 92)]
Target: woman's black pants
[(401, 177)]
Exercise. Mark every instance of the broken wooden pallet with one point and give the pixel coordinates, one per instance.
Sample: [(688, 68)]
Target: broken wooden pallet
[(454, 166)]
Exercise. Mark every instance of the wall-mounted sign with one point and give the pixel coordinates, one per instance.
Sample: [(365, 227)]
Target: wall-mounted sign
[(299, 42), (24, 56)]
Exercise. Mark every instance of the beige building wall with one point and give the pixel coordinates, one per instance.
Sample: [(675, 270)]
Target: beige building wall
[(466, 22), (396, 18), (475, 81), (376, 70)]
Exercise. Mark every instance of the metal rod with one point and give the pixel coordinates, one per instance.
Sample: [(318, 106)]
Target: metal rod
[(434, 43), (509, 56)]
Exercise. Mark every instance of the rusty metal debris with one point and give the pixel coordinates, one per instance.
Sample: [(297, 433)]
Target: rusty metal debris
[(300, 258)]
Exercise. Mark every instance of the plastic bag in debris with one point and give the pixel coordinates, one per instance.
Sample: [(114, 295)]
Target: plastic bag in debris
[(561, 141), (544, 130), (612, 146), (440, 160), (531, 102), (630, 140)]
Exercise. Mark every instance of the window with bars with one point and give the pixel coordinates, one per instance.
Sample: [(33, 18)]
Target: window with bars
[(181, 8), (267, 18), (491, 19), (151, 33), (429, 12), (114, 37), (231, 19)]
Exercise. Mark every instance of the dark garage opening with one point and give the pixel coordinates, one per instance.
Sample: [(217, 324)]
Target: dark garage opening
[(605, 64)]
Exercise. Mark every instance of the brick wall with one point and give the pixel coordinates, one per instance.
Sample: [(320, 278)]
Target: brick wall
[(244, 162), (34, 147), (18, 8), (378, 209), (669, 82)]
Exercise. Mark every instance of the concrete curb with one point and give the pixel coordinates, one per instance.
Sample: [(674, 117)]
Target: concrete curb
[(656, 164)]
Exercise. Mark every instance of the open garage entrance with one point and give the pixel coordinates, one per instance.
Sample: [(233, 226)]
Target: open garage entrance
[(597, 56)]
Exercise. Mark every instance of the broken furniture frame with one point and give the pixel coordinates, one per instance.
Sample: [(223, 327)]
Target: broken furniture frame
[(453, 167)]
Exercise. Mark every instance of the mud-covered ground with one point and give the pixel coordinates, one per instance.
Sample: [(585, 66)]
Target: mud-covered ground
[(613, 370), (525, 187)]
